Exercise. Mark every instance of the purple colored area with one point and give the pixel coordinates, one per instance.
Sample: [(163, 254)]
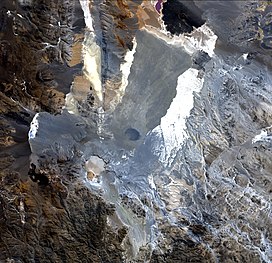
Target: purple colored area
[(158, 6)]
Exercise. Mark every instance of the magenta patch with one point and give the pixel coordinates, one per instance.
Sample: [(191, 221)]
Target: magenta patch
[(158, 6)]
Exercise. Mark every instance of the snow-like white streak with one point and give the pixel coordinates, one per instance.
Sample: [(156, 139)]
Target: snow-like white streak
[(202, 38), (100, 122), (173, 124), (91, 52), (263, 136), (85, 4), (34, 126), (22, 212), (71, 104), (260, 137), (267, 245), (245, 56), (91, 55), (92, 64), (151, 182), (125, 68)]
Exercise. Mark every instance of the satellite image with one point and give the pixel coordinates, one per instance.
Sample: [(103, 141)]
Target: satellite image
[(135, 131)]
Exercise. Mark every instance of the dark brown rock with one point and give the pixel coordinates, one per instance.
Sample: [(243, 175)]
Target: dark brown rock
[(59, 219), (60, 222)]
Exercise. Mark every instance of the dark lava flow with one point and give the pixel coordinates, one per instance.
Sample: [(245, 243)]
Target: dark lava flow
[(179, 19)]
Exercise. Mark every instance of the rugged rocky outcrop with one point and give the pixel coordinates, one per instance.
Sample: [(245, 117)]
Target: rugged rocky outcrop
[(59, 219), (60, 222), (135, 131)]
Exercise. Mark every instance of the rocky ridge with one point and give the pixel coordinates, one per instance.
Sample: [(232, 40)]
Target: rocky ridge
[(208, 201)]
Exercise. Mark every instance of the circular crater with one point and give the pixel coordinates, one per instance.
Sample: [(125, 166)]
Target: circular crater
[(132, 134)]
